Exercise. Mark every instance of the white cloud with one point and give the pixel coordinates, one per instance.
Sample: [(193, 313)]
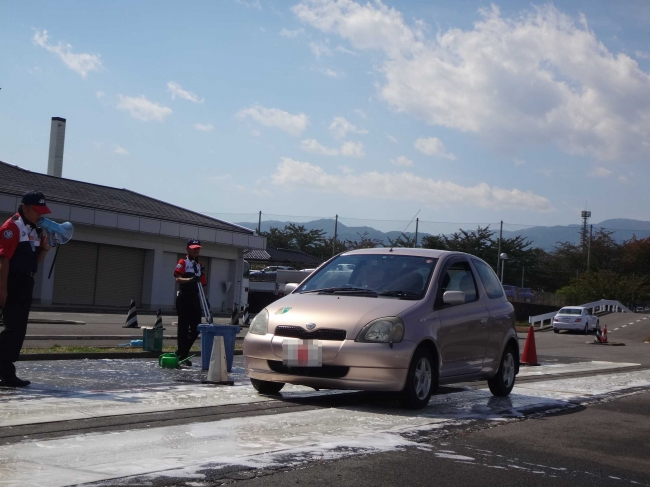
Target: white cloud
[(642, 55), (361, 113), (203, 127), (345, 50), (81, 63), (256, 133), (391, 138), (320, 49), (274, 117), (312, 145), (353, 149), (142, 108), (538, 77), (330, 73), (340, 128), (600, 172), (404, 186), (433, 146), (402, 161), (121, 150), (100, 94), (176, 91), (519, 162), (623, 179), (255, 4), (292, 34)]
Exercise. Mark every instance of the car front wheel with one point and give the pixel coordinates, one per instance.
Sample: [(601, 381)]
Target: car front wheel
[(267, 387), (421, 381), (504, 380)]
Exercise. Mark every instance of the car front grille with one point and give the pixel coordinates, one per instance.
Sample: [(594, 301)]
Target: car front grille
[(298, 332), (325, 372)]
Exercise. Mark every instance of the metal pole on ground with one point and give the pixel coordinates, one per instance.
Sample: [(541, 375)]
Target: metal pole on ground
[(259, 224), (503, 258), (417, 223), (336, 227), (499, 253), (591, 228)]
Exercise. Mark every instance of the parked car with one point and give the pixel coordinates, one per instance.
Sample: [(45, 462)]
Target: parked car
[(511, 292), (525, 295), (639, 309), (402, 320), (269, 273), (575, 318)]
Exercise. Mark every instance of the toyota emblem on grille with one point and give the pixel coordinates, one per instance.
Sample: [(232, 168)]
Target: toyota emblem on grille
[(311, 326)]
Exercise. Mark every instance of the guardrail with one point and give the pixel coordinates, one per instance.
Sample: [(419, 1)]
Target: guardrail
[(595, 307)]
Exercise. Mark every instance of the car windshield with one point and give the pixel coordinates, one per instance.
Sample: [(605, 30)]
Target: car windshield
[(373, 275), (570, 311)]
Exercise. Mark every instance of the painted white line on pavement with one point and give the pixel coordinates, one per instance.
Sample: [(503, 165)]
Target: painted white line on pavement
[(291, 438), (623, 326), (572, 368), (616, 329)]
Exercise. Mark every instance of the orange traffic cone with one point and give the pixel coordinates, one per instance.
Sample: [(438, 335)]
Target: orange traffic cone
[(603, 337), (529, 357)]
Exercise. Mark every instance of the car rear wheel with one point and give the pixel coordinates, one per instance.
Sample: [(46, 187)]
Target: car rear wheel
[(421, 381), (555, 330), (266, 387), (504, 380), (587, 329)]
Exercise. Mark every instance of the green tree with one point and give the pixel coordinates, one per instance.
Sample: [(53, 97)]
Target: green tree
[(402, 241), (277, 238), (364, 242)]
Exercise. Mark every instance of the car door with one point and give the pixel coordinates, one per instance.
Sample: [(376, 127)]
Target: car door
[(463, 331)]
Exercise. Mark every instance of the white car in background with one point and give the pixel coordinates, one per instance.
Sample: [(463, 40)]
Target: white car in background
[(575, 318)]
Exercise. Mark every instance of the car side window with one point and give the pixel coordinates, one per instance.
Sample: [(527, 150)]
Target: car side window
[(457, 277), (489, 279)]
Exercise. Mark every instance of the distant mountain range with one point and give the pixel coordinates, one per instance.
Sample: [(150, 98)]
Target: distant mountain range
[(543, 237)]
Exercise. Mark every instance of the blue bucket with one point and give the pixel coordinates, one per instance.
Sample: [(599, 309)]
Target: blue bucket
[(208, 332)]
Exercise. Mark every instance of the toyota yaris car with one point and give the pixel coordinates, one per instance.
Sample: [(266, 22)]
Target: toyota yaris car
[(401, 320)]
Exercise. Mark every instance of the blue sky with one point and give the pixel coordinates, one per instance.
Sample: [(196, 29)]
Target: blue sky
[(465, 110)]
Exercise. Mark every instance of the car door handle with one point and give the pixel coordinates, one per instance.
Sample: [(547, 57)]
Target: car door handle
[(484, 321)]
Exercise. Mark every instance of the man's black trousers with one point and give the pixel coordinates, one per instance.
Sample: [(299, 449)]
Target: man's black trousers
[(188, 307), (15, 315)]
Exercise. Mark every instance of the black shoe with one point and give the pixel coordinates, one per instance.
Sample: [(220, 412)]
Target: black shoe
[(14, 382), (187, 363)]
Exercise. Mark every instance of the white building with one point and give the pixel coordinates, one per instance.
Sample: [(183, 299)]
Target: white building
[(126, 245)]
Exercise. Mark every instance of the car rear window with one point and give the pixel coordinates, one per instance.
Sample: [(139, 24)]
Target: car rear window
[(489, 279), (570, 311)]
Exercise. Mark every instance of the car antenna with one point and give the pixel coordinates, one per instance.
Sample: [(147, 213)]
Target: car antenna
[(409, 224)]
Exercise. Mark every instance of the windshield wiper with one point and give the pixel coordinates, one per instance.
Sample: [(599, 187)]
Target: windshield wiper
[(401, 294), (342, 290)]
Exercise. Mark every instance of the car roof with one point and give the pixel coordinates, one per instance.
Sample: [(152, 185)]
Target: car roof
[(573, 307), (404, 251)]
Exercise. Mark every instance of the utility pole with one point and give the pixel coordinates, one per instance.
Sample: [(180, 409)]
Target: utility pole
[(336, 228), (591, 229), (417, 222), (583, 232), (499, 254), (259, 224)]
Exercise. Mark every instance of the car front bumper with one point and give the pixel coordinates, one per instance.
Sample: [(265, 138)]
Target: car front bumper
[(369, 366)]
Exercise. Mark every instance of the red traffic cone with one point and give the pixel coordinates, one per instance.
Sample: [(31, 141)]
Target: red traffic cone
[(603, 337), (529, 357)]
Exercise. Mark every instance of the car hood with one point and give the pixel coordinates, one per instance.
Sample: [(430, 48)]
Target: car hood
[(349, 313)]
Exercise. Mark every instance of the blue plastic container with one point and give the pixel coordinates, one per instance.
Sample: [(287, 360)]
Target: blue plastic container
[(208, 332)]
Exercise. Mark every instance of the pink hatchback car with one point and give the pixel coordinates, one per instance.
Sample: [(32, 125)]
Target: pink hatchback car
[(388, 320)]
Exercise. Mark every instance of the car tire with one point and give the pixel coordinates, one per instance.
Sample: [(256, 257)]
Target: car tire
[(555, 330), (266, 387), (586, 329), (504, 380), (421, 381)]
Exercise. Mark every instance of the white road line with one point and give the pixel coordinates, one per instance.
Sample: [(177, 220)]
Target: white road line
[(594, 366), (616, 329), (260, 441), (623, 326)]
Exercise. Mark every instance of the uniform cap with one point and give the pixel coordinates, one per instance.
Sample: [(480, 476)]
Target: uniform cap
[(36, 201), (193, 243)]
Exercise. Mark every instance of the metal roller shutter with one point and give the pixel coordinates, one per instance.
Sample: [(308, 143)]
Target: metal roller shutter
[(74, 275), (119, 275)]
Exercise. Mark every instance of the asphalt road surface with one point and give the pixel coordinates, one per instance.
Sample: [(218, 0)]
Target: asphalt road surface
[(582, 418)]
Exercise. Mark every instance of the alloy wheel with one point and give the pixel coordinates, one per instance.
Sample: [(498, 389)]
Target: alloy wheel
[(508, 370), (422, 378)]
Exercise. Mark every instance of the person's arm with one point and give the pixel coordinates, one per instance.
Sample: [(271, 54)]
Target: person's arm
[(44, 248), (179, 271), (4, 273)]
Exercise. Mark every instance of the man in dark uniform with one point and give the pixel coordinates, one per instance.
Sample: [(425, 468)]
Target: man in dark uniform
[(189, 271), (22, 247)]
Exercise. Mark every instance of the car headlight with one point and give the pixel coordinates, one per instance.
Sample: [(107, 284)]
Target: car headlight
[(383, 330), (260, 324)]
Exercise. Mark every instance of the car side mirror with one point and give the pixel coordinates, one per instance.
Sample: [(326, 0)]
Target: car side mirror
[(290, 287), (453, 297)]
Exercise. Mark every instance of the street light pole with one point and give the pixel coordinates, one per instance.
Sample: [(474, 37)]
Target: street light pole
[(499, 252), (503, 258)]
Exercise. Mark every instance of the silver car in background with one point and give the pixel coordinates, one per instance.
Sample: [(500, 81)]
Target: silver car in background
[(399, 319), (575, 318)]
